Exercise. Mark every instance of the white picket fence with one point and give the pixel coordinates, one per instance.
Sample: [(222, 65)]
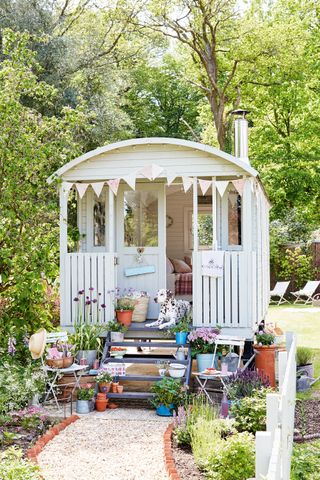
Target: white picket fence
[(274, 447)]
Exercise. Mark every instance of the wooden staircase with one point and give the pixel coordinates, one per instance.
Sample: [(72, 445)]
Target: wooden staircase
[(161, 348)]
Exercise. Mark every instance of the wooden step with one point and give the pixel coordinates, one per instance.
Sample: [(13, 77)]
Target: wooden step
[(140, 359), (142, 378), (131, 395), (145, 344)]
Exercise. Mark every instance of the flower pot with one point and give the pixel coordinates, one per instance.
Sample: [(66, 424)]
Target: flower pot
[(117, 336), (306, 370), (115, 387), (120, 389), (164, 411), (265, 360), (124, 317), (101, 404), (204, 361), (83, 406), (181, 338), (89, 355), (104, 387)]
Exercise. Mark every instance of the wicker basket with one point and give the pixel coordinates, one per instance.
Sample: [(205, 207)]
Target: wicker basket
[(140, 310), (316, 300), (55, 363)]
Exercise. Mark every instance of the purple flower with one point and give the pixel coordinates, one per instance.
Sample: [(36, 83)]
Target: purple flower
[(81, 292), (91, 289), (76, 299), (88, 302), (94, 300), (103, 305), (12, 345)]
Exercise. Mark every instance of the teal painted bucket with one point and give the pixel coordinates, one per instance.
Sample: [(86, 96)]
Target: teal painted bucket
[(181, 338), (164, 411)]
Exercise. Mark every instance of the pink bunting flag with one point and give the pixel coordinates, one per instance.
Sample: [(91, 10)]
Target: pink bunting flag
[(82, 188), (114, 185), (131, 180), (97, 188), (187, 182), (204, 185), (239, 185), (151, 172), (221, 186)]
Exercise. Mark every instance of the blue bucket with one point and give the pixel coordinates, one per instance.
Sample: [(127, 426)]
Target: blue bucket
[(181, 338), (164, 411)]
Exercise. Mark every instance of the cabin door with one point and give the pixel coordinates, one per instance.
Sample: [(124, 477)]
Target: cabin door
[(141, 239)]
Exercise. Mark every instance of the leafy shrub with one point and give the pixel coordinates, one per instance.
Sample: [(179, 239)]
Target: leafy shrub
[(14, 467), (297, 266), (304, 355), (169, 391), (244, 384), (85, 393), (306, 461), (250, 412), (18, 384)]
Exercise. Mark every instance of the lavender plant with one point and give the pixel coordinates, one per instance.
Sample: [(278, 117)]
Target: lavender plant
[(244, 384)]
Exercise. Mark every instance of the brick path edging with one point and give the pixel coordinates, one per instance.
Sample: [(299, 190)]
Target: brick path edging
[(168, 456), (34, 451)]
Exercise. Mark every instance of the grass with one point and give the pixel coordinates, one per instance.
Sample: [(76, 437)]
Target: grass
[(305, 322)]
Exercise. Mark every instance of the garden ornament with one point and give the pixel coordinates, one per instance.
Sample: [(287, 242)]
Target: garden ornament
[(37, 343)]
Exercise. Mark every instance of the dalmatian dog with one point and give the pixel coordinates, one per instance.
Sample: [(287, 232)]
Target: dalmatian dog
[(171, 311)]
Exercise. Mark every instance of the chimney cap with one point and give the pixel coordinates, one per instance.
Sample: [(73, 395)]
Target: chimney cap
[(241, 112)]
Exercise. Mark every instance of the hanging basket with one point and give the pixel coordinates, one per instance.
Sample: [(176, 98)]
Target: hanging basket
[(140, 310)]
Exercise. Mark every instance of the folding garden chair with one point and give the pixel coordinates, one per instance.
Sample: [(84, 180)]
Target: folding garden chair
[(52, 380), (226, 341), (307, 292), (279, 291)]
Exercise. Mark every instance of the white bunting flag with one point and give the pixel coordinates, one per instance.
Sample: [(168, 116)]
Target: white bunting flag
[(151, 172), (82, 188), (97, 188), (114, 185), (66, 187), (204, 185), (131, 180), (187, 182), (170, 177), (221, 186), (239, 185)]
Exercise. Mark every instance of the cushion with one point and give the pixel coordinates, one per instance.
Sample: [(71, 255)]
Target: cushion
[(170, 267), (188, 261), (180, 266)]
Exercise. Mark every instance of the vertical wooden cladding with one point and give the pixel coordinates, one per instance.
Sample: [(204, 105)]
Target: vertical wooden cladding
[(84, 271)]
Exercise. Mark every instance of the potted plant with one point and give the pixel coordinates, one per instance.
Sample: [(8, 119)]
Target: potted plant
[(85, 399), (304, 359), (202, 346), (101, 402), (141, 303), (104, 380), (117, 331), (181, 329), (265, 354), (169, 394), (124, 310)]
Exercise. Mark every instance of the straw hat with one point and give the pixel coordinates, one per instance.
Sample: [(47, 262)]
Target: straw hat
[(37, 343)]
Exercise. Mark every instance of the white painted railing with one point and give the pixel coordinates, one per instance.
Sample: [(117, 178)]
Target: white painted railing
[(274, 447), (82, 271), (229, 301)]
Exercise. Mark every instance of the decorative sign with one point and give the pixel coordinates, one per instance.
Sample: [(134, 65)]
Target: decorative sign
[(141, 270), (212, 263)]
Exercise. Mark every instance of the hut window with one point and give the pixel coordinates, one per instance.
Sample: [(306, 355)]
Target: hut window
[(234, 218), (99, 222), (140, 219)]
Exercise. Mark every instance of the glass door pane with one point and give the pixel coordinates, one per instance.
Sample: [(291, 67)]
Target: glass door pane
[(140, 219)]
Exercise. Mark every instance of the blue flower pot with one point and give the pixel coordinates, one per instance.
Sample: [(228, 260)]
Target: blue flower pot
[(181, 338), (204, 360), (164, 411)]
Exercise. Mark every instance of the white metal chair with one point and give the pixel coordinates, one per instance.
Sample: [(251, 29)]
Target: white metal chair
[(279, 291), (307, 292), (75, 369), (227, 341)]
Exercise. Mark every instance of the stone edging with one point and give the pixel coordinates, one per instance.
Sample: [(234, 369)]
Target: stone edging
[(168, 456), (34, 451), (305, 438)]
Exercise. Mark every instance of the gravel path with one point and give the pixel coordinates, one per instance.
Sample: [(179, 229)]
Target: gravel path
[(122, 444)]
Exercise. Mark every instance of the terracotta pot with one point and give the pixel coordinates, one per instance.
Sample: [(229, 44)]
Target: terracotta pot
[(124, 317), (265, 360), (120, 388), (101, 404), (115, 387), (104, 387)]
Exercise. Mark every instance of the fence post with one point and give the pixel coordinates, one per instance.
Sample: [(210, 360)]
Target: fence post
[(282, 365), (272, 412), (263, 453)]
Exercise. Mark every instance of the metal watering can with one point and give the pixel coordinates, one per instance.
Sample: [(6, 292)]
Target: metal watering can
[(179, 355)]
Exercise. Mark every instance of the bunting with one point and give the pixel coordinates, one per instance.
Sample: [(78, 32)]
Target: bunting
[(114, 185), (221, 186), (97, 188), (171, 177), (151, 172), (239, 185), (82, 188), (131, 180), (204, 185), (187, 182)]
